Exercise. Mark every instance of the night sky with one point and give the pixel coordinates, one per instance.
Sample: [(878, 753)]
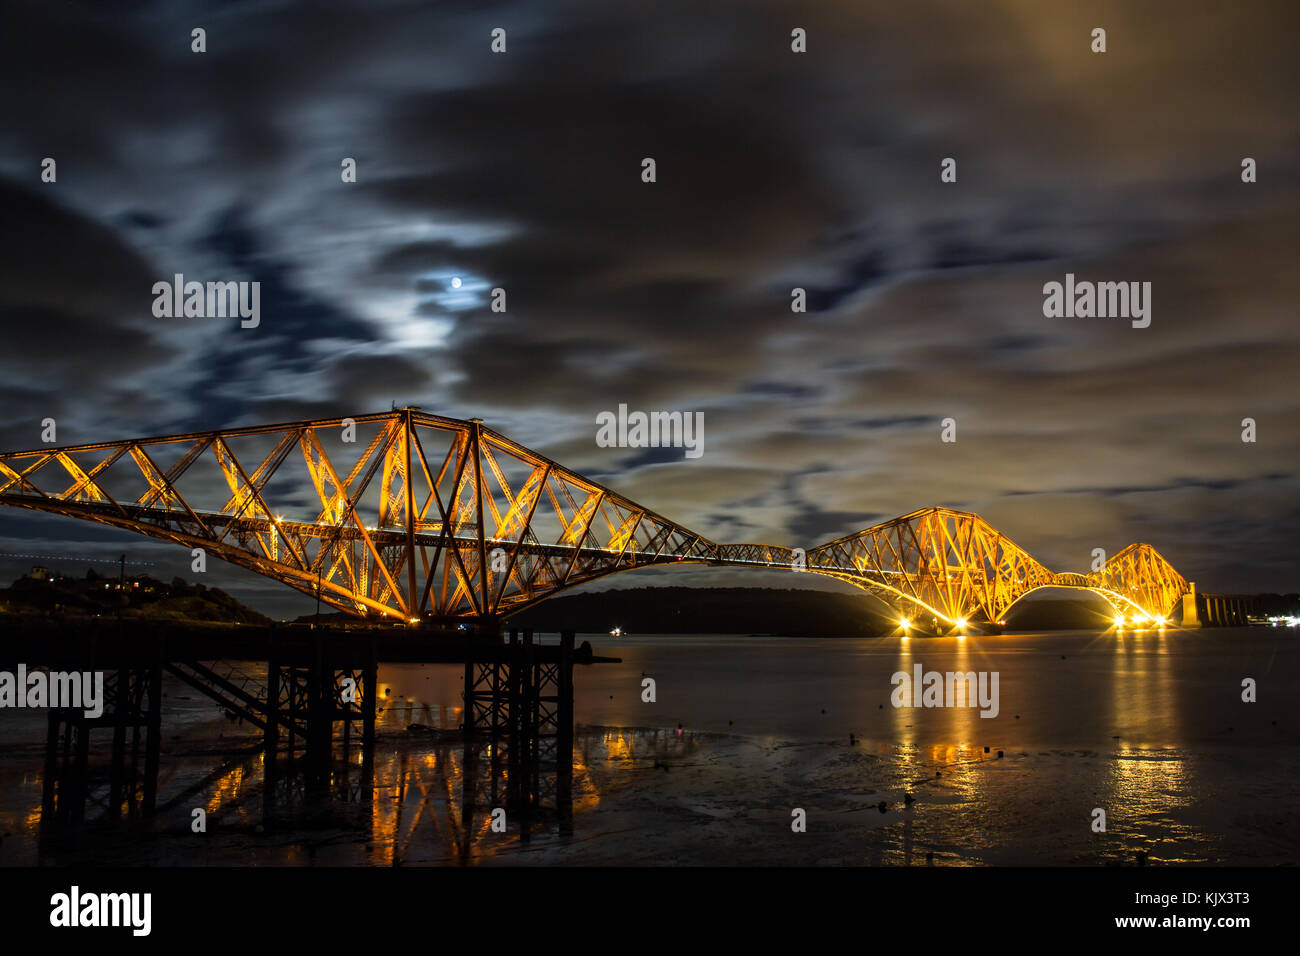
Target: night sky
[(775, 170)]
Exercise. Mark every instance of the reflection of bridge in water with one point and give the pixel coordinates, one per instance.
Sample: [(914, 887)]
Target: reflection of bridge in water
[(421, 519)]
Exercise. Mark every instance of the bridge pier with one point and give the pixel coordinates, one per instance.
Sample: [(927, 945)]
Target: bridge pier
[(1191, 616), (519, 707), (1227, 610), (132, 710), (316, 689)]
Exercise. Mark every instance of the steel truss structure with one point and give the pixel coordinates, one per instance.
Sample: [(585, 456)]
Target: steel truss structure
[(408, 516), (956, 567), (429, 518)]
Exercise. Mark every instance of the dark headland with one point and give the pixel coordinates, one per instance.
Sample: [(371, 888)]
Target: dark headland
[(775, 611)]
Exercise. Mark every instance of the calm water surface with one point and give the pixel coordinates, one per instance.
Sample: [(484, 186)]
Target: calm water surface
[(1149, 727)]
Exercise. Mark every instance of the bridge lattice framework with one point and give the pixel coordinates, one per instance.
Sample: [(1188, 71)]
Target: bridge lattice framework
[(421, 517)]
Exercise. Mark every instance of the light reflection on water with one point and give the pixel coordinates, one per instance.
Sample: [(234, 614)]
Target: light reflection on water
[(1148, 726)]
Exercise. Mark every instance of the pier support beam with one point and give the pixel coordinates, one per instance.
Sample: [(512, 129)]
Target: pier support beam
[(129, 784), (316, 689), (519, 707)]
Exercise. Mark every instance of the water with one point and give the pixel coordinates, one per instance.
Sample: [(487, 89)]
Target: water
[(1149, 727)]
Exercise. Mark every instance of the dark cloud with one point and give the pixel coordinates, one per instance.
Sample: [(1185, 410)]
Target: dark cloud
[(775, 170)]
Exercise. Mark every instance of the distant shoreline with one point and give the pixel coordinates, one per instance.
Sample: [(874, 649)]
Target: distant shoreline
[(762, 612)]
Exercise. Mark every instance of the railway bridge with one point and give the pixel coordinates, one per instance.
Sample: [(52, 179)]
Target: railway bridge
[(417, 518)]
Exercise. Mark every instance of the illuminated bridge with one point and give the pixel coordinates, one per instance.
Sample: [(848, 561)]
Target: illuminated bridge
[(417, 518)]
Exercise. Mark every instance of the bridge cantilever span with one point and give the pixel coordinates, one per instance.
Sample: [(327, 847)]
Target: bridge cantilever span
[(414, 516), (417, 516)]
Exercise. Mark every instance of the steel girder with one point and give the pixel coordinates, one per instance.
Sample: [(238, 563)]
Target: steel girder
[(957, 567), (936, 561), (421, 516), (1140, 574)]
